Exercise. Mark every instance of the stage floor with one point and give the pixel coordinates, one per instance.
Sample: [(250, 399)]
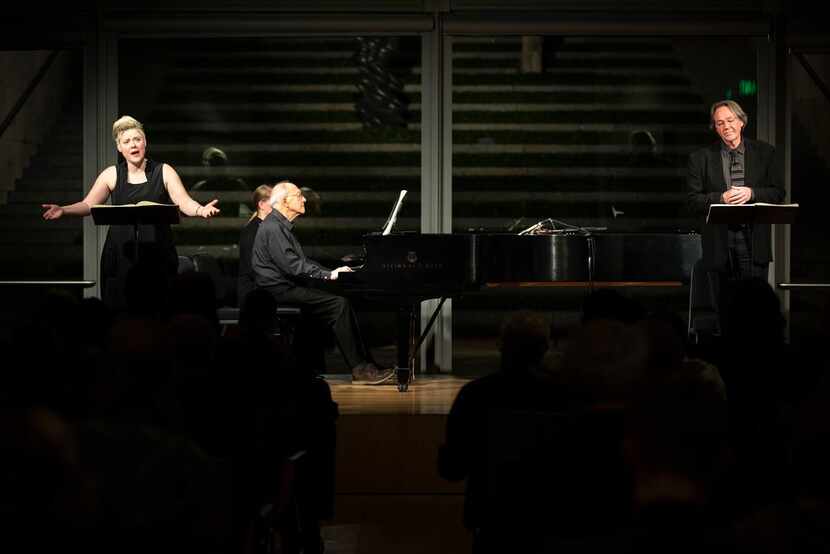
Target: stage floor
[(427, 395), (389, 496)]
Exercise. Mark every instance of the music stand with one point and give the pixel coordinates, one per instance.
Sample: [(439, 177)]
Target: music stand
[(751, 213), (135, 215)]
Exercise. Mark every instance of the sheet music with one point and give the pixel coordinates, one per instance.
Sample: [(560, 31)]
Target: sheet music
[(393, 217), (751, 208)]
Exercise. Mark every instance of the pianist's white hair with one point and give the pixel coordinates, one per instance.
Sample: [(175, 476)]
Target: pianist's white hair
[(279, 192)]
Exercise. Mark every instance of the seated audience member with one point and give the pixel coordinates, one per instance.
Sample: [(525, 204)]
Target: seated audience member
[(677, 452)]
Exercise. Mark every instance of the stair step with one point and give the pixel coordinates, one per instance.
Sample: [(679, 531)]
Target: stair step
[(341, 198), (581, 62), (312, 73), (317, 100), (294, 147), (607, 172), (571, 127), (631, 42), (576, 73), (246, 88), (70, 155), (27, 208), (43, 252), (262, 172), (227, 110), (37, 171), (622, 88), (575, 106), (282, 54), (209, 47), (338, 228), (308, 223), (286, 58), (177, 151), (232, 129), (49, 183), (198, 172), (38, 197), (25, 238), (30, 218), (254, 159), (222, 134), (406, 139), (235, 127), (515, 55)]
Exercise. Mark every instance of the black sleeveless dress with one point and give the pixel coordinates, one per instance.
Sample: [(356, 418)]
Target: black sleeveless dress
[(156, 251)]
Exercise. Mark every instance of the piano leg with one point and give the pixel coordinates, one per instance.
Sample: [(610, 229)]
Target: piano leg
[(406, 326), (410, 341)]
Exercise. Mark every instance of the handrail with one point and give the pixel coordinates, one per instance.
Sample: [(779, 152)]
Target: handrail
[(788, 286), (28, 92), (84, 284)]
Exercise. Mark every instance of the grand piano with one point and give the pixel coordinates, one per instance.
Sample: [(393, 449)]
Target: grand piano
[(405, 269)]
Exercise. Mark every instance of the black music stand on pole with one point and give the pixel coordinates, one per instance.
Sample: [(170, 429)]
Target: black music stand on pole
[(135, 215), (751, 213)]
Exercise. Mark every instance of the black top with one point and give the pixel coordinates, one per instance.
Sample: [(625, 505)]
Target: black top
[(155, 241), (278, 259), (245, 281)]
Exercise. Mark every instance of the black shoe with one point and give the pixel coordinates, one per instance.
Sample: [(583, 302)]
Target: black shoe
[(370, 374)]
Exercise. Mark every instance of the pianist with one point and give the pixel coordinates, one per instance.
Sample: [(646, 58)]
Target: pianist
[(281, 268)]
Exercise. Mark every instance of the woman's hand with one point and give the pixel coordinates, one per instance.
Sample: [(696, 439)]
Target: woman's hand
[(53, 211), (208, 210)]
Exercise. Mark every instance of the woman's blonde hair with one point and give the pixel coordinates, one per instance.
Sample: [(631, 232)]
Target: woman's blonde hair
[(126, 123), (262, 192)]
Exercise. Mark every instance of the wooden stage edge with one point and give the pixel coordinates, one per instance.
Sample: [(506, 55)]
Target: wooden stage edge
[(427, 395)]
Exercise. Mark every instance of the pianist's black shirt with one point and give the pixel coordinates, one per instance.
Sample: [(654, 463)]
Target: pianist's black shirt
[(278, 259)]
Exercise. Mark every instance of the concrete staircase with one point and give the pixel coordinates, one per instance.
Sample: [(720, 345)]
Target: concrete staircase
[(556, 144), (286, 111), (31, 248)]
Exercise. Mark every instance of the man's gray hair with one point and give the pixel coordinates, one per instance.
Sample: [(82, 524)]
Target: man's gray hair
[(279, 192), (732, 105)]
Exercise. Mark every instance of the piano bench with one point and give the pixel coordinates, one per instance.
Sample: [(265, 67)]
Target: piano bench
[(285, 320)]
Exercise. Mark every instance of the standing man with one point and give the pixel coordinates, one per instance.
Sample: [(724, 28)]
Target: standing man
[(733, 170), (281, 268)]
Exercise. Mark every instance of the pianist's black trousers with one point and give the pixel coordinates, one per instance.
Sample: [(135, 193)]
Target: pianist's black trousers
[(334, 312)]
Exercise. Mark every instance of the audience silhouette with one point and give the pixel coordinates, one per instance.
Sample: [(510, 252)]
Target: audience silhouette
[(624, 440), (630, 441)]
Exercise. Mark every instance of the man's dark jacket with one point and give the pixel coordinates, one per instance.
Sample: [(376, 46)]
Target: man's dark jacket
[(705, 183)]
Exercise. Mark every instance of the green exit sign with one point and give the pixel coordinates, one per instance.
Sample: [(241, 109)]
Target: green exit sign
[(747, 87)]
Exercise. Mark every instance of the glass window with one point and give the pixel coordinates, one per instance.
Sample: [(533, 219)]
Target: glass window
[(810, 150), (581, 132), (41, 153), (338, 116)]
